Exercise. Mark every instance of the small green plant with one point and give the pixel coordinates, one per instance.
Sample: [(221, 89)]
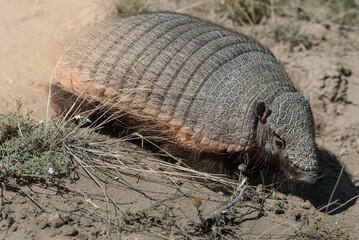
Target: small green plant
[(144, 220), (245, 11), (32, 149), (129, 6)]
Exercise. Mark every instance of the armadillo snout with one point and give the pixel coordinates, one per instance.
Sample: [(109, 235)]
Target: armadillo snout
[(305, 176), (302, 170)]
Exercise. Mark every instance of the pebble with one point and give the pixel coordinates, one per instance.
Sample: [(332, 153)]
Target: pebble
[(306, 205), (95, 232), (78, 200), (69, 231), (82, 236), (86, 222), (279, 211), (52, 234), (14, 229), (23, 215), (42, 224), (56, 221), (42, 221)]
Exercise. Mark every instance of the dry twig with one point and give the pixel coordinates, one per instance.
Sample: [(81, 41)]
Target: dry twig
[(225, 208)]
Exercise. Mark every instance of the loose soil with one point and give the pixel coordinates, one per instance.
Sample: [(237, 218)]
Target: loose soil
[(33, 36)]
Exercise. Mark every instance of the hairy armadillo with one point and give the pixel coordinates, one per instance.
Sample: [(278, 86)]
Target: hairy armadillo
[(209, 89)]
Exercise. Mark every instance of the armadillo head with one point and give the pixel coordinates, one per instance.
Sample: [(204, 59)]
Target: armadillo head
[(290, 135)]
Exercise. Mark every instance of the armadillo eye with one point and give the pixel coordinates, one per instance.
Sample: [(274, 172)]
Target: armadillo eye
[(279, 143)]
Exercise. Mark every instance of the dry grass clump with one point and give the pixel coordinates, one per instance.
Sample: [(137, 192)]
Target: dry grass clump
[(337, 11), (291, 34), (246, 11), (129, 6), (29, 149)]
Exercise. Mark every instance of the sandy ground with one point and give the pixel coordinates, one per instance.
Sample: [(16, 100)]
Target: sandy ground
[(34, 35)]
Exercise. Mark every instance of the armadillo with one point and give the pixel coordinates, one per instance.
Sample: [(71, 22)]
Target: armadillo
[(210, 89)]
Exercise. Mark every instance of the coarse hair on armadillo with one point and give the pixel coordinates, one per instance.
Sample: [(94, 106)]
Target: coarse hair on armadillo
[(201, 85)]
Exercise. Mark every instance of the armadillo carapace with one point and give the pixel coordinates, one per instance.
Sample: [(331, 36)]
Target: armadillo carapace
[(209, 89)]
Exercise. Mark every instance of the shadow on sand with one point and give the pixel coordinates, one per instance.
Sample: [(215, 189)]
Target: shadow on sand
[(318, 194)]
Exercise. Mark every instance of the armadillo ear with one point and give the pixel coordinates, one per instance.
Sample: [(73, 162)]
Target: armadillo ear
[(263, 112), (261, 108)]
